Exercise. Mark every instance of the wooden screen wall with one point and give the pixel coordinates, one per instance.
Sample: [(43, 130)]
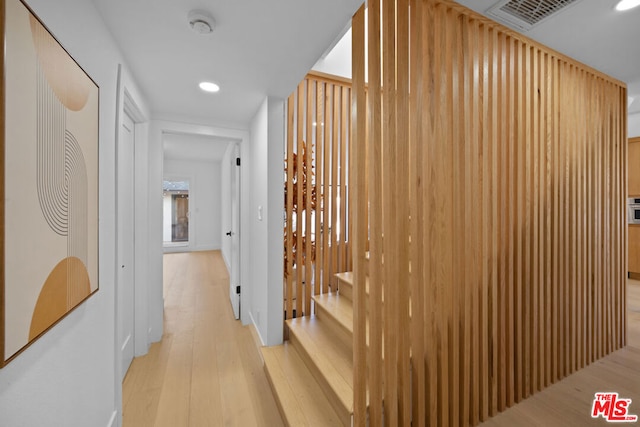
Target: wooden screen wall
[(496, 174), (316, 188)]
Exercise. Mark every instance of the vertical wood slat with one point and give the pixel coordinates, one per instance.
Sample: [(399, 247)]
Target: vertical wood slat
[(495, 64), (334, 189), (342, 244), (358, 197), (374, 178), (511, 231), (326, 188), (443, 188), (403, 232), (349, 179), (485, 329), (416, 252), (538, 332), (388, 231), (501, 182), (464, 236), (319, 179), (516, 244), (289, 231), (307, 249), (317, 118), (548, 223), (430, 81), (299, 197)]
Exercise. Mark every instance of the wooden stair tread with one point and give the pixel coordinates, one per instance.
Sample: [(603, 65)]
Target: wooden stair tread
[(345, 284), (332, 360), (299, 397), (338, 308), (348, 278)]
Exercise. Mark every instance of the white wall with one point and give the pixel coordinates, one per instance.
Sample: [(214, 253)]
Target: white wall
[(633, 123), (338, 60), (275, 219), (66, 378), (205, 201), (266, 219)]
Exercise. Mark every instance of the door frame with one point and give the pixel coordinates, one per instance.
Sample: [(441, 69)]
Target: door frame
[(156, 157), (235, 277), (123, 239), (190, 243), (130, 102)]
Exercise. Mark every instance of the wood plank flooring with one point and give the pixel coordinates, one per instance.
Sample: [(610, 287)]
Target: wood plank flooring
[(207, 370), (569, 402)]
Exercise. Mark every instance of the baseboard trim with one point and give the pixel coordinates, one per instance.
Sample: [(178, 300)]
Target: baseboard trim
[(112, 421), (189, 248), (153, 338), (257, 330), (226, 261), (634, 276)]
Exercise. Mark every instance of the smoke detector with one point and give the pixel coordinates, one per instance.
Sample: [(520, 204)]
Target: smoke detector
[(201, 21)]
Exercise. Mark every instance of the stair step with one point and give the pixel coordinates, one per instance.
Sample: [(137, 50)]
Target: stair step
[(299, 396), (337, 312), (329, 360), (345, 284)]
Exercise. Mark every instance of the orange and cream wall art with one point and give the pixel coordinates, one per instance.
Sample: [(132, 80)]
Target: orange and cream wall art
[(50, 181)]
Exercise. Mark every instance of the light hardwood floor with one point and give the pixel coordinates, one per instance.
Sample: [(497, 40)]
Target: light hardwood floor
[(207, 370), (569, 402)]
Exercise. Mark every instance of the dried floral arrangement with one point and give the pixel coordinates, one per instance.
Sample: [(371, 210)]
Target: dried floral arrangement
[(299, 183)]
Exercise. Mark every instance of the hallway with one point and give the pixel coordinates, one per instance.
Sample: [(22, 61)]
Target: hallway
[(207, 369)]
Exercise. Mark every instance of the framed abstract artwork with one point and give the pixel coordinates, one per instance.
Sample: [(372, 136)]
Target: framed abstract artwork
[(49, 181)]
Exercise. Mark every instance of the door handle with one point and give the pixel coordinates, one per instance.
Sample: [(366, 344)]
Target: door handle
[(229, 233)]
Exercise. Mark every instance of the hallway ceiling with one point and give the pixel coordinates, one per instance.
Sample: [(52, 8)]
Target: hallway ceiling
[(258, 48), (594, 33), (261, 48)]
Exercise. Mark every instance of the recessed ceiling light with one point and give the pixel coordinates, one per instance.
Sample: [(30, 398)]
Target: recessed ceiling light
[(209, 87), (627, 4)]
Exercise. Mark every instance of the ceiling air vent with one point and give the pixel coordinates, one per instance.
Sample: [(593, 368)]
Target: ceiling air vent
[(526, 14)]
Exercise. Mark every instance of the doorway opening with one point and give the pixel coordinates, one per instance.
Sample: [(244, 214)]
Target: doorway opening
[(175, 212)]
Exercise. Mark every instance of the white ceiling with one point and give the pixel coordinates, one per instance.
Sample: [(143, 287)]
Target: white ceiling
[(258, 48), (264, 48), (594, 33)]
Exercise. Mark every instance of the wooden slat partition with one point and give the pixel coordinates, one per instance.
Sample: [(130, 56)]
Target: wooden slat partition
[(492, 205), (360, 225), (316, 172)]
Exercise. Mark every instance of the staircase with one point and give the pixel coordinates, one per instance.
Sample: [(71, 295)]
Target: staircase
[(311, 375)]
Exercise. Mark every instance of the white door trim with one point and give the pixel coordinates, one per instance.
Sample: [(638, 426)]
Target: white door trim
[(126, 265), (158, 129), (235, 279), (129, 101), (191, 242)]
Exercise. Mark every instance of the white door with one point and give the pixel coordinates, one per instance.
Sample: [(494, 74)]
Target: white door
[(234, 279), (125, 227)]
